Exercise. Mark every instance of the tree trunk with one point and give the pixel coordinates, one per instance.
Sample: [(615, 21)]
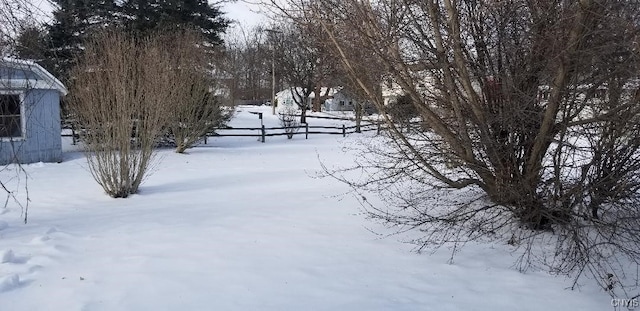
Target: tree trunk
[(303, 116), (315, 106), (358, 108)]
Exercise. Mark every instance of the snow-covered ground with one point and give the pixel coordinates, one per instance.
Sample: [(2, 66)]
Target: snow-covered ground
[(241, 225)]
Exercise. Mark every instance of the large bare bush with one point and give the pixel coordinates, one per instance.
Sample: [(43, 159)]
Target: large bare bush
[(533, 103), (194, 109), (119, 96), (128, 91), (196, 114)]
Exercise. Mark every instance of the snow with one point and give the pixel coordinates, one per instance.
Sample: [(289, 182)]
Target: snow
[(240, 225)]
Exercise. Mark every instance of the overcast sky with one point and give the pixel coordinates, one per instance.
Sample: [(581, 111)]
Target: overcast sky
[(245, 14)]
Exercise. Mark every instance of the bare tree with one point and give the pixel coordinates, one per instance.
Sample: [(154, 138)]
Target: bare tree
[(247, 62), (305, 64), (119, 96), (12, 16), (533, 103), (298, 64)]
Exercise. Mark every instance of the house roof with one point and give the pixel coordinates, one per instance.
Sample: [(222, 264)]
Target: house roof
[(323, 91), (32, 76), (328, 91)]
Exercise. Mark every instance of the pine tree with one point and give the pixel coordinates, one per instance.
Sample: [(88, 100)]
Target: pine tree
[(206, 18), (141, 16), (144, 16), (73, 22), (31, 43)]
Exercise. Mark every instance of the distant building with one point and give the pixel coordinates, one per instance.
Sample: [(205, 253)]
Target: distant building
[(289, 98), (335, 99), (339, 100), (29, 113)]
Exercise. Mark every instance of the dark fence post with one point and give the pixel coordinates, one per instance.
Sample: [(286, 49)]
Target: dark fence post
[(263, 133), (205, 138), (379, 126), (344, 131), (73, 133), (306, 131)]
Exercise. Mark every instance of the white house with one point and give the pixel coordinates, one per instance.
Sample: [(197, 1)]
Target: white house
[(391, 90), (337, 99), (288, 98)]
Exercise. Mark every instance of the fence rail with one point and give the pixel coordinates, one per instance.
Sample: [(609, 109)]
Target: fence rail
[(306, 130), (69, 130)]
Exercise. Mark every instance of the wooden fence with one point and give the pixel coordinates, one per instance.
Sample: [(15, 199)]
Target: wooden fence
[(69, 126), (263, 132)]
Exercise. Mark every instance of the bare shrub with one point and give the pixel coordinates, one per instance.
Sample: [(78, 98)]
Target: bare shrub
[(289, 121), (195, 111), (119, 95), (196, 115)]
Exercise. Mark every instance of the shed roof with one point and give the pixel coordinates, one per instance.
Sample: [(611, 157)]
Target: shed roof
[(31, 75)]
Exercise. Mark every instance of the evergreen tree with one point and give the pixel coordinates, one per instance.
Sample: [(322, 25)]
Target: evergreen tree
[(73, 22), (141, 16), (31, 43), (144, 16)]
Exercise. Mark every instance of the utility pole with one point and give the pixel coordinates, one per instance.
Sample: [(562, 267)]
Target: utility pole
[(273, 68), (273, 80)]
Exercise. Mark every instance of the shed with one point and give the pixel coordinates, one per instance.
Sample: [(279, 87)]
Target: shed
[(29, 113)]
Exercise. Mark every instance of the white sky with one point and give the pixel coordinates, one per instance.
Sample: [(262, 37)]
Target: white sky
[(245, 14)]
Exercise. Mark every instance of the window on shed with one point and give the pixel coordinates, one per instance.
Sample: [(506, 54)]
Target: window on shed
[(10, 119), (544, 94), (600, 94)]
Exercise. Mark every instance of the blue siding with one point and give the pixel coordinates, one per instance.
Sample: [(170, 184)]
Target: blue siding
[(42, 141), (16, 74)]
